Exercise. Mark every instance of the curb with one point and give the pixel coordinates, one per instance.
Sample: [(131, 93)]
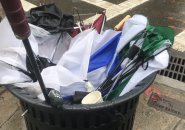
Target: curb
[(169, 82)]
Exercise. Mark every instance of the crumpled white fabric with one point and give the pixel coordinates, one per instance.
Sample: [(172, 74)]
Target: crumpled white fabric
[(131, 28), (38, 31), (51, 46), (76, 59), (33, 88), (97, 76), (102, 39), (15, 56), (158, 63), (12, 50), (73, 60), (10, 75), (72, 69), (8, 38)]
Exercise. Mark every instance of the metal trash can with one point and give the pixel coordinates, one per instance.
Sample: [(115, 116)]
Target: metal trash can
[(117, 114)]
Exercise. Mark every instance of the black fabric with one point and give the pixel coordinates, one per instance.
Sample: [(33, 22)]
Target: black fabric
[(77, 98), (42, 63), (51, 19)]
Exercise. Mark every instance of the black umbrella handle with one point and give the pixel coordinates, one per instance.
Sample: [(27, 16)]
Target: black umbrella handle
[(35, 67), (16, 17)]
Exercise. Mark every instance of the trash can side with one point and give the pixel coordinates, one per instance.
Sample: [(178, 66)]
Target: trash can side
[(117, 114)]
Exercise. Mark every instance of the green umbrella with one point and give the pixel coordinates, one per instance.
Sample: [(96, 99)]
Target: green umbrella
[(156, 40)]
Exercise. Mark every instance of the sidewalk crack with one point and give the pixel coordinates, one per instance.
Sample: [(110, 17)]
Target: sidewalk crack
[(175, 127), (9, 117)]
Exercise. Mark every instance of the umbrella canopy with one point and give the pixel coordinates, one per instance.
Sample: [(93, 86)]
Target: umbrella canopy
[(104, 55), (131, 29), (153, 51), (99, 23)]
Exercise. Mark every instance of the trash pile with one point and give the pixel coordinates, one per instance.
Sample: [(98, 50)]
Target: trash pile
[(81, 63)]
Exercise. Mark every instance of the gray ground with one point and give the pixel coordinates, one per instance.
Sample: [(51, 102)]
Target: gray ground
[(1, 11), (147, 118)]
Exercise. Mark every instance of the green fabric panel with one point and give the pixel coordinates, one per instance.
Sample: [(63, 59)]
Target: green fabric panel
[(155, 39), (116, 92), (166, 32)]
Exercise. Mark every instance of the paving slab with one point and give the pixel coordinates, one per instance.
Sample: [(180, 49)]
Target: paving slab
[(159, 12), (8, 106), (115, 1), (1, 11), (2, 90), (181, 125), (169, 82), (67, 7), (10, 112), (16, 122), (148, 118), (179, 43)]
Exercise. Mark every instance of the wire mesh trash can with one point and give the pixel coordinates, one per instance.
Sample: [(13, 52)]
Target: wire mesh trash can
[(117, 114)]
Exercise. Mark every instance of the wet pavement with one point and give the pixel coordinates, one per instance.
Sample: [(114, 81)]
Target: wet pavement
[(67, 7), (148, 118), (160, 13), (115, 1), (1, 12)]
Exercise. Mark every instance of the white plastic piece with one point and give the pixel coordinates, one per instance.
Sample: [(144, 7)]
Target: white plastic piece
[(24, 113), (89, 86), (93, 98)]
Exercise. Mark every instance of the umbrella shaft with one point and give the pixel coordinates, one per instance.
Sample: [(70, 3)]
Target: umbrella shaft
[(35, 67)]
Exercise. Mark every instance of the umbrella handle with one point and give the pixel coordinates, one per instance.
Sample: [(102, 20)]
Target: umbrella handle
[(36, 68), (16, 17), (121, 23)]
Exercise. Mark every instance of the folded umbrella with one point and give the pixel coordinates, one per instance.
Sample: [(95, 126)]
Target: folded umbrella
[(98, 24), (102, 51), (131, 29), (74, 64), (156, 41), (71, 70)]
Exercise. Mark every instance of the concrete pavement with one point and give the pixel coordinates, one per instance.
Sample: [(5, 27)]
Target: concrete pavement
[(148, 118)]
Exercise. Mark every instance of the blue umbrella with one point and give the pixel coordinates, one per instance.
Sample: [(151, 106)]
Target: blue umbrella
[(104, 55)]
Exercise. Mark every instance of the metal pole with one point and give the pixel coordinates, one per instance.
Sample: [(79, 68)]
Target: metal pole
[(35, 67)]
